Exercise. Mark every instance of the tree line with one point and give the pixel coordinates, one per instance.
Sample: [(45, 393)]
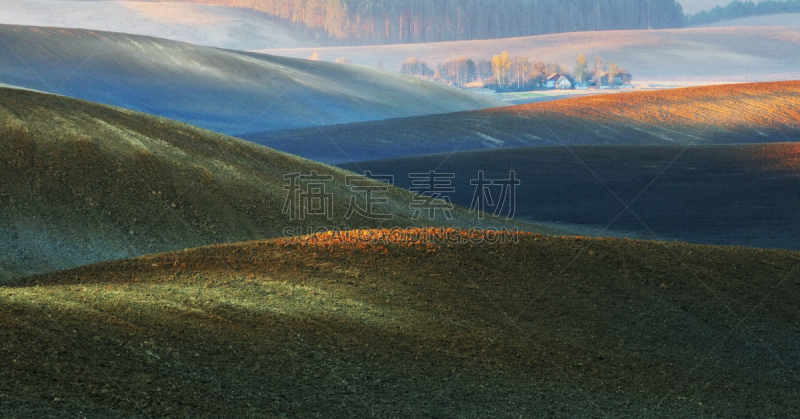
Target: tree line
[(738, 9), (413, 21), (506, 73)]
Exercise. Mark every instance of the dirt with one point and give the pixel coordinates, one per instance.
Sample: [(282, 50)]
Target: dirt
[(82, 183), (408, 327), (725, 114), (732, 194)]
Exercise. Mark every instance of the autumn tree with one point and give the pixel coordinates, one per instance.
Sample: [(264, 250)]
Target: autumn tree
[(314, 56), (500, 65), (581, 68)]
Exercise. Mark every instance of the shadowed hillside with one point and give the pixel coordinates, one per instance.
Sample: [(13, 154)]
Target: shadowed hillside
[(225, 91), (546, 327), (745, 195), (727, 114), (81, 183)]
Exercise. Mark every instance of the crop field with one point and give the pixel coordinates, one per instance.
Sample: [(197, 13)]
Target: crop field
[(691, 55), (337, 327), (725, 114), (745, 195), (226, 91), (82, 183), (197, 232)]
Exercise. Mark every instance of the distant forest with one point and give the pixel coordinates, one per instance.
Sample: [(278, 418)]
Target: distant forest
[(737, 9), (413, 21)]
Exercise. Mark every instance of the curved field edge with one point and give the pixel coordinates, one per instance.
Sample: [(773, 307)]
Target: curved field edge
[(559, 326), (82, 182), (226, 91), (729, 194), (725, 114)]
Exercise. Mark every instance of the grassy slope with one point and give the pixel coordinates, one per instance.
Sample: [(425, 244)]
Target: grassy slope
[(556, 327), (225, 91), (82, 182), (746, 195), (676, 55), (741, 113)]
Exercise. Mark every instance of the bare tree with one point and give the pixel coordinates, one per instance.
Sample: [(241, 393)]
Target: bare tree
[(613, 72), (521, 68), (581, 69)]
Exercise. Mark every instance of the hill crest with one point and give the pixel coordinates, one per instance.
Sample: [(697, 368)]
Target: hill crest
[(226, 91)]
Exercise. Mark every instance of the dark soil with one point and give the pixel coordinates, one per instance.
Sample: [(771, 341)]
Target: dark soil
[(82, 183), (546, 327), (746, 195)]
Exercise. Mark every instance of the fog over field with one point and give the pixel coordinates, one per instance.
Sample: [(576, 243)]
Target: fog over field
[(226, 91), (682, 56), (221, 27), (694, 6), (785, 19)]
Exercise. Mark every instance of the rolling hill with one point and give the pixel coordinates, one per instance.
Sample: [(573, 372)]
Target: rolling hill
[(742, 195), (726, 114), (221, 90), (671, 56), (82, 182), (199, 24), (544, 327)]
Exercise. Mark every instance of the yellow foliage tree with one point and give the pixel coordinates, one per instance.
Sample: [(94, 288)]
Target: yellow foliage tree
[(500, 65)]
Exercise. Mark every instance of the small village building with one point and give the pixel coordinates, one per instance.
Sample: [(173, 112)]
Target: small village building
[(563, 83), (599, 79), (551, 80)]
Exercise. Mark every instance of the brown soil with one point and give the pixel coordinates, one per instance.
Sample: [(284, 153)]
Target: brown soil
[(404, 327), (725, 114), (82, 183)]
